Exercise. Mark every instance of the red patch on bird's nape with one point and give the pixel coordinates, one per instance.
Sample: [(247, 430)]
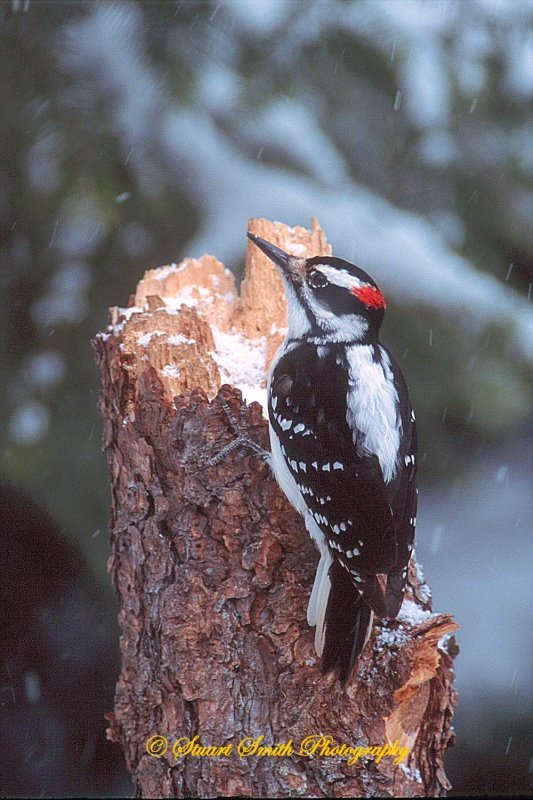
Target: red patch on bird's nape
[(369, 295)]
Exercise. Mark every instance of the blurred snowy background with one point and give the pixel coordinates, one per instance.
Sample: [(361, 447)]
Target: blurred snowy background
[(134, 134)]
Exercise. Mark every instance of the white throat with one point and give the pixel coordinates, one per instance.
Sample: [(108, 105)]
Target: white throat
[(298, 321)]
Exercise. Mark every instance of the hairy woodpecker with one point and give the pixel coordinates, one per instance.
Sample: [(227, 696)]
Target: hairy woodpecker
[(343, 440)]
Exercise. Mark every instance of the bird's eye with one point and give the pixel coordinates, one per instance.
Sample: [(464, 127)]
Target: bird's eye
[(317, 280)]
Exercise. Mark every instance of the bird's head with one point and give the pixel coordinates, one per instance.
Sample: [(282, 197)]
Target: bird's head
[(327, 297)]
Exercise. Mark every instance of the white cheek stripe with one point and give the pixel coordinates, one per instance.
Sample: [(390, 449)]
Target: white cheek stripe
[(336, 328)]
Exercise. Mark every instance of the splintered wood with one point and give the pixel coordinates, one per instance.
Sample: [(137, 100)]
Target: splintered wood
[(189, 322)]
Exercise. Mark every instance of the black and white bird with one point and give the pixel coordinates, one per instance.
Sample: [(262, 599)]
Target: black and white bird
[(344, 446)]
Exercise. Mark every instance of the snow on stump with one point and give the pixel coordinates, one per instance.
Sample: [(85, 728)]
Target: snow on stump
[(213, 568)]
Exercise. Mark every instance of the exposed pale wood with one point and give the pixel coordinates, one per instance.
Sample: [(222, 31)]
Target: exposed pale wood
[(263, 300), (204, 280), (213, 569)]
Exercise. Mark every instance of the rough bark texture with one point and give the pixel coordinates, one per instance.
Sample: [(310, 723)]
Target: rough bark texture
[(213, 570)]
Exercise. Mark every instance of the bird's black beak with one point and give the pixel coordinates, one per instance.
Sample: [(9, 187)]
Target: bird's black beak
[(289, 265)]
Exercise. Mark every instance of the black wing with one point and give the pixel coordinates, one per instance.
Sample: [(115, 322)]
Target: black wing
[(344, 491), (405, 500)]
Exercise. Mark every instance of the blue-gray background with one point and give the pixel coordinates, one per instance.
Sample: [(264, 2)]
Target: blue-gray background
[(134, 134)]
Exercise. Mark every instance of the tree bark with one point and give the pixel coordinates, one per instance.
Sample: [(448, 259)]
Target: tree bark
[(213, 568)]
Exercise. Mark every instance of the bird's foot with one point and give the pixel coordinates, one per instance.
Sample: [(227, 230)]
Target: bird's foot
[(241, 440)]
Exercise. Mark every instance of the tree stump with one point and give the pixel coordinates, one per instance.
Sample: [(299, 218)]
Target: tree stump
[(213, 568)]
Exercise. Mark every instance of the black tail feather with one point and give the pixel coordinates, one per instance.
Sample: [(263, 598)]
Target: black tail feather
[(347, 623), (394, 593)]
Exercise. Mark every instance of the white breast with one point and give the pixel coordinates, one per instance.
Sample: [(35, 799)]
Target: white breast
[(372, 411)]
